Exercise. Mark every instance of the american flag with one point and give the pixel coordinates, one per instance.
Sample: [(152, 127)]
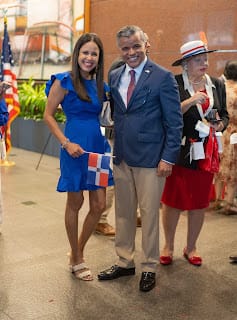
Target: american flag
[(98, 169), (11, 95)]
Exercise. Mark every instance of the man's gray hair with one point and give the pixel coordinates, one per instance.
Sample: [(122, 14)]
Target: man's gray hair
[(128, 31)]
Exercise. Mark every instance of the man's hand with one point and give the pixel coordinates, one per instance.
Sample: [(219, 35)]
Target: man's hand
[(164, 169)]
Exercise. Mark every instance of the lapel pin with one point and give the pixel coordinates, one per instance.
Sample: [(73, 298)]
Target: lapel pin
[(147, 71)]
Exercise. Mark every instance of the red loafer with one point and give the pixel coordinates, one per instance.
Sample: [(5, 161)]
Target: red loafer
[(194, 260), (166, 260)]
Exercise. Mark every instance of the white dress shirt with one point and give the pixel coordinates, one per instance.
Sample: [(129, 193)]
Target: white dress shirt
[(125, 79)]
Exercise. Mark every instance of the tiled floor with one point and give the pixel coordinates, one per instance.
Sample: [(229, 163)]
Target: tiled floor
[(34, 278)]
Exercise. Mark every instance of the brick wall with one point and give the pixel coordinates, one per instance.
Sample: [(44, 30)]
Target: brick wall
[(169, 23)]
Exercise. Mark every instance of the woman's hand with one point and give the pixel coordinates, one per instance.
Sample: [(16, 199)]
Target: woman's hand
[(218, 126), (74, 149), (199, 97)]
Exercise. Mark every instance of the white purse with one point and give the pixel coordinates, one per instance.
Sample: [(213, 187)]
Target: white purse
[(105, 115)]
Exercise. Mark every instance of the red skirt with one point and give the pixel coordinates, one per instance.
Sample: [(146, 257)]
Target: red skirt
[(187, 189)]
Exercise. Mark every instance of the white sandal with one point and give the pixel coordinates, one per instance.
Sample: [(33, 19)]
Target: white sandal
[(85, 275)]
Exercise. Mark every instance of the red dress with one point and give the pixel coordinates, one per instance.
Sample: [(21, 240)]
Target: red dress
[(188, 189)]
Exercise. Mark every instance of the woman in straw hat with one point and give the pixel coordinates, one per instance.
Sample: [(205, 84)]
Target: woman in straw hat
[(203, 103)]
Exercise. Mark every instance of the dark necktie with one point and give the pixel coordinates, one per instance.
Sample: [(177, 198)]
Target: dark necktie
[(131, 85)]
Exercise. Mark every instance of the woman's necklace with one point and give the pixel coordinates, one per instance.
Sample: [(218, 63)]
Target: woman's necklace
[(196, 82)]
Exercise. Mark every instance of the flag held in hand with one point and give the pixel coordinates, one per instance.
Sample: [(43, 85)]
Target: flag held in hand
[(98, 169)]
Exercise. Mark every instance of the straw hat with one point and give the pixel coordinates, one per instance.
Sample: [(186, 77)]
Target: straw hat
[(191, 48)]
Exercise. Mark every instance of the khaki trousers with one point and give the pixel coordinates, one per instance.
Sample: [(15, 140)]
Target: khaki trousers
[(137, 187), (109, 204)]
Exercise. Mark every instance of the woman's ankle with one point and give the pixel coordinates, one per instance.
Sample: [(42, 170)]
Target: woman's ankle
[(167, 251)]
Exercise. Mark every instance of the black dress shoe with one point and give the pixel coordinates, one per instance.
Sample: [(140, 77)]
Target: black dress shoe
[(233, 259), (148, 281), (115, 272)]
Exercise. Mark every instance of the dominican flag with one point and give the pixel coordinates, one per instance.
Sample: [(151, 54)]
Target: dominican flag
[(98, 169), (11, 95)]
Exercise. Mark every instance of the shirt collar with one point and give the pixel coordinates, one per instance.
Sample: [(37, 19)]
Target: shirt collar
[(189, 87)]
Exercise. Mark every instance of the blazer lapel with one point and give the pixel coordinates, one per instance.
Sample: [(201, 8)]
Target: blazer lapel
[(116, 93), (146, 72)]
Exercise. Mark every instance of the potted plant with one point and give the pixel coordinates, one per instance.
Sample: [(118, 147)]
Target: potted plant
[(28, 130)]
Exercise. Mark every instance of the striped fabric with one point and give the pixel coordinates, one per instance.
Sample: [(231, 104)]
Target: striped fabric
[(11, 95)]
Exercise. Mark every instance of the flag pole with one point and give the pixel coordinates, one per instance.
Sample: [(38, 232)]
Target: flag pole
[(4, 162)]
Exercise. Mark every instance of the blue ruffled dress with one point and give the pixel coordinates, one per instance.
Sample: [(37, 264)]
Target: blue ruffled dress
[(82, 127)]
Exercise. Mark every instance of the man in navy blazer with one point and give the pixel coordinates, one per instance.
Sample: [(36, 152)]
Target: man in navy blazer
[(147, 139)]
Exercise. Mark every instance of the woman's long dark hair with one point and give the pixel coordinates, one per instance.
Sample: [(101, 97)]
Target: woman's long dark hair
[(77, 78)]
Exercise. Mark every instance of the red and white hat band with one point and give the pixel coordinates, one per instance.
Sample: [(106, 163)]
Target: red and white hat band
[(194, 51)]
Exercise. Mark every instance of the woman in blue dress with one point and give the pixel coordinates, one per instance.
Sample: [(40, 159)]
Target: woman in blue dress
[(80, 92)]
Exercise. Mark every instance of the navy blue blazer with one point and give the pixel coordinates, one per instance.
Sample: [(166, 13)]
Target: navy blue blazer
[(150, 127)]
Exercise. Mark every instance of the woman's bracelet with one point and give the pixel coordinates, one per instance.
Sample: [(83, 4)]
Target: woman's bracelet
[(65, 143)]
